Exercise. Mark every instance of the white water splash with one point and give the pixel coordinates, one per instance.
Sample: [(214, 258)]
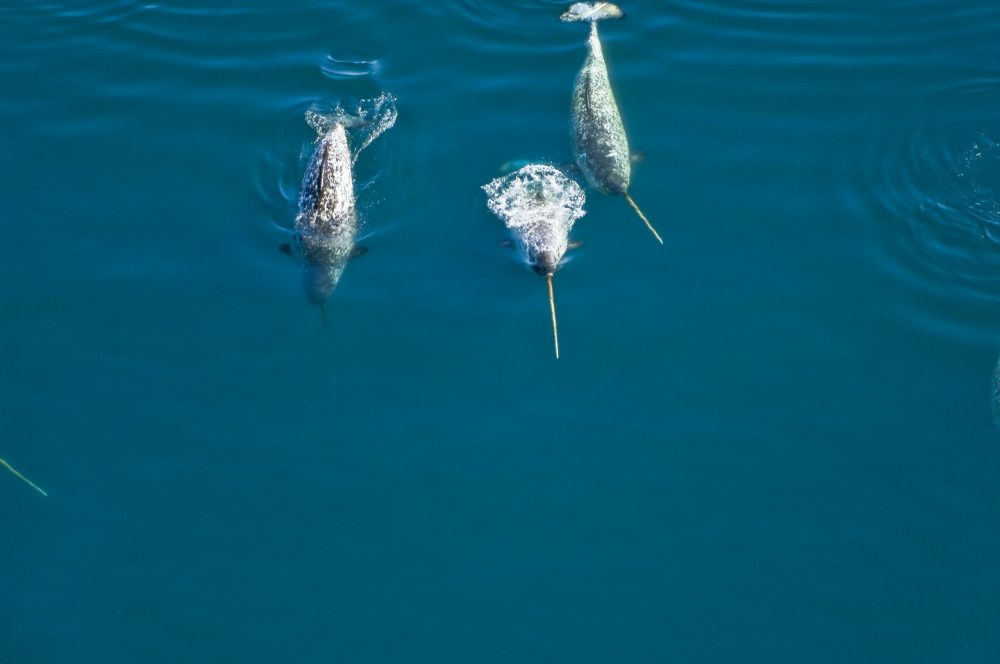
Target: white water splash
[(539, 204), (367, 121), (379, 115)]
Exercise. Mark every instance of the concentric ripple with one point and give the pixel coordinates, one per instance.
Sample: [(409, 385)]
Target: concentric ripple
[(934, 184)]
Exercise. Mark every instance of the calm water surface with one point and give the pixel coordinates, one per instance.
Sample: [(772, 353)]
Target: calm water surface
[(769, 440)]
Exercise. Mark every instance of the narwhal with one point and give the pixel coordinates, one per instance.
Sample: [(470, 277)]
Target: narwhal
[(22, 477), (326, 226), (600, 145), (539, 205)]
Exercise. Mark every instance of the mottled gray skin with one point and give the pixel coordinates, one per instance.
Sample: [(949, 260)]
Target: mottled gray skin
[(600, 145), (543, 247), (326, 225), (543, 242)]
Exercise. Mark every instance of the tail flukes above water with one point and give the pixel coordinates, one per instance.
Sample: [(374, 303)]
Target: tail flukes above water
[(592, 12)]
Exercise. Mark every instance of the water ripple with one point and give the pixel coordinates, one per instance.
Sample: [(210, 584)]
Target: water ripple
[(770, 33), (933, 186), (349, 68)]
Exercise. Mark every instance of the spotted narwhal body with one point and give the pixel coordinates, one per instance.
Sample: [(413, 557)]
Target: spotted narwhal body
[(326, 226), (539, 205), (600, 144)]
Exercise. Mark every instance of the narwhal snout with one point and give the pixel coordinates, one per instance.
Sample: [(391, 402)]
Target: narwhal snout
[(545, 263)]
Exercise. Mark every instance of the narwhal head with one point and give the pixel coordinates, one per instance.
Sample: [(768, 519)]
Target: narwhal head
[(544, 261), (544, 243)]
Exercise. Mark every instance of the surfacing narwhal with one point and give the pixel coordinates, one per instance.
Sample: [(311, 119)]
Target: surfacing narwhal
[(600, 144), (539, 205), (326, 226)]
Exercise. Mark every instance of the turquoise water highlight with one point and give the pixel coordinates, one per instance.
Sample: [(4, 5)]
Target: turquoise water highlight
[(769, 440)]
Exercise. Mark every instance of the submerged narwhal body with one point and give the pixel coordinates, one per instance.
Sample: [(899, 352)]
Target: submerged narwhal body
[(539, 205), (326, 226), (600, 145)]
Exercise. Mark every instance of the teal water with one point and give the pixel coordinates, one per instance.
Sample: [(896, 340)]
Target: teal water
[(769, 440)]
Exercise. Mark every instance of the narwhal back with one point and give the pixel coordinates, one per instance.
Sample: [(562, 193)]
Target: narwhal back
[(600, 144)]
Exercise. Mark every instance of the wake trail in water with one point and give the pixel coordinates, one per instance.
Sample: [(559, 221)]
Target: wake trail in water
[(327, 343)]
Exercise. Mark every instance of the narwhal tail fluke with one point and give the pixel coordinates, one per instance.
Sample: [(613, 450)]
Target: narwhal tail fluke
[(552, 306), (592, 12), (22, 477), (635, 207)]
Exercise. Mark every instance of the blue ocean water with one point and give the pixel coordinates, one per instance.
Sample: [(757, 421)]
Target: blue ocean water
[(769, 440)]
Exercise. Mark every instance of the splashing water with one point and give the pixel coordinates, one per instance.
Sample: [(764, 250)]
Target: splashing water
[(370, 119), (380, 116), (539, 204), (980, 170)]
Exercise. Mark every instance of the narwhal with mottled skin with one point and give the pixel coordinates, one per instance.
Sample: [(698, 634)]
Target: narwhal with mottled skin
[(326, 225), (600, 145), (539, 205)]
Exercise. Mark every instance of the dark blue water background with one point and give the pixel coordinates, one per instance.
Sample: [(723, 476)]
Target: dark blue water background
[(769, 440)]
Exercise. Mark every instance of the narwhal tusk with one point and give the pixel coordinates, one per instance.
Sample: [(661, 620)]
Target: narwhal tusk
[(552, 306), (25, 479), (635, 207)]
